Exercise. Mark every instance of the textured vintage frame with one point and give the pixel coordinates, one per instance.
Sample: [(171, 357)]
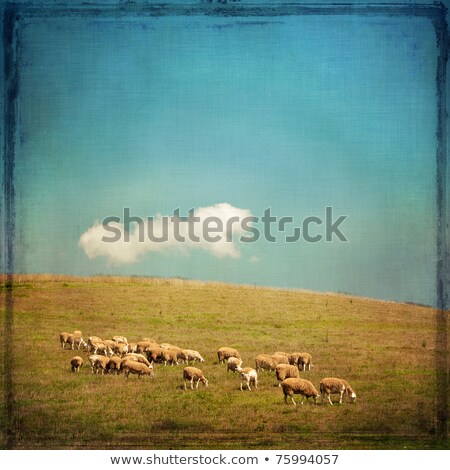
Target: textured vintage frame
[(14, 13)]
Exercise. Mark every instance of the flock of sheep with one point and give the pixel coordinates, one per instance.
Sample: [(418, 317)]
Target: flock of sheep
[(118, 355)]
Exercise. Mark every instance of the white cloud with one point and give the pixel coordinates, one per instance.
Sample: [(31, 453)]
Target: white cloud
[(224, 222)]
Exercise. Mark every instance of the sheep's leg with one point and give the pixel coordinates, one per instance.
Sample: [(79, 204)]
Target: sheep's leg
[(340, 398), (241, 387), (329, 399), (293, 401), (198, 381), (256, 384), (248, 385)]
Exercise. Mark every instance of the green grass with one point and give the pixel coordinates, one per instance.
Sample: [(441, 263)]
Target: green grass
[(384, 349)]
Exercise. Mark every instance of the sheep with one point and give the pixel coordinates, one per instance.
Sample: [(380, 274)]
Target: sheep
[(100, 346), (76, 340), (114, 364), (301, 386), (137, 368), (63, 337), (265, 361), (169, 356), (121, 349), (192, 373), (281, 358), (92, 339), (304, 361), (330, 385), (76, 363), (191, 355), (101, 363), (286, 371), (224, 353), (301, 360), (120, 339), (132, 347), (142, 345), (138, 358), (234, 364), (77, 333), (280, 353), (155, 353), (111, 344), (93, 360), (248, 374)]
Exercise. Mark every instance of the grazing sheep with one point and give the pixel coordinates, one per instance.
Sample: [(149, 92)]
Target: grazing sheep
[(300, 386), (131, 367), (281, 358), (169, 356), (286, 371), (224, 353), (191, 355), (138, 358), (132, 347), (192, 373), (93, 339), (265, 361), (111, 344), (100, 347), (304, 361), (301, 360), (114, 364), (77, 333), (280, 353), (63, 337), (120, 339), (234, 364), (121, 349), (73, 340), (101, 363), (76, 363), (141, 346), (155, 354), (93, 359), (248, 374), (330, 385)]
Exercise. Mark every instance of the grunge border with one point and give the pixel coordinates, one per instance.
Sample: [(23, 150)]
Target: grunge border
[(13, 15)]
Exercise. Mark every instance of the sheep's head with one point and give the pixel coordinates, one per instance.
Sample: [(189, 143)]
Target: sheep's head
[(353, 397), (205, 381)]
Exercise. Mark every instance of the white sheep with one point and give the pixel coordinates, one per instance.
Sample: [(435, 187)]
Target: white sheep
[(73, 340), (76, 363), (137, 357), (281, 358), (265, 362), (248, 374), (332, 385), (192, 373), (120, 339), (100, 347), (191, 355), (114, 364), (63, 337), (101, 363), (286, 371), (224, 353), (77, 333), (302, 360), (132, 347), (169, 356), (234, 364), (299, 386), (131, 367), (141, 346), (92, 360)]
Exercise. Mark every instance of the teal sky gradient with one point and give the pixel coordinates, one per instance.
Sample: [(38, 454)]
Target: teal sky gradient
[(291, 113)]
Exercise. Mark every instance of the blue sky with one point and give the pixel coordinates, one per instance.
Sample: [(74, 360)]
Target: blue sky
[(292, 113)]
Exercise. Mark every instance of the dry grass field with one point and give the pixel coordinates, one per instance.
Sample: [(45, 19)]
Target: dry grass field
[(384, 349)]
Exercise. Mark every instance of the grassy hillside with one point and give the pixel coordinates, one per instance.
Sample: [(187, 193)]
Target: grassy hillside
[(384, 349)]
